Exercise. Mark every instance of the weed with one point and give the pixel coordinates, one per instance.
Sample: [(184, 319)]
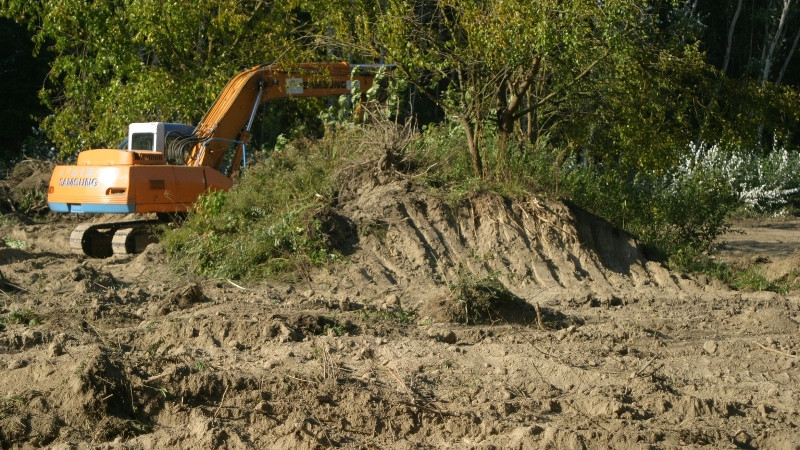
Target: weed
[(747, 278), (31, 201), (377, 228), (25, 317), (200, 365), (16, 243), (266, 226), (336, 329), (140, 427)]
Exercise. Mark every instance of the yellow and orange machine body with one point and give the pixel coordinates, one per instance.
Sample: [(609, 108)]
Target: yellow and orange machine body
[(122, 182)]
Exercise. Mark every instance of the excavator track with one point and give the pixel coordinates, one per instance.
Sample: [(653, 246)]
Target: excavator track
[(104, 239)]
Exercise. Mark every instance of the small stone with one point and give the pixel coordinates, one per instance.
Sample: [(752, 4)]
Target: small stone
[(269, 364), (393, 301), (366, 353), (561, 334), (17, 364), (710, 347), (262, 406), (449, 337), (773, 393), (233, 343), (764, 410)]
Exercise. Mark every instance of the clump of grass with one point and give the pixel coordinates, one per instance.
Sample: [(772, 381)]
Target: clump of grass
[(16, 243), (476, 300)]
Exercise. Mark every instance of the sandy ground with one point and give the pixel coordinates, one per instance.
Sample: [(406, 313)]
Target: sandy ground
[(603, 349)]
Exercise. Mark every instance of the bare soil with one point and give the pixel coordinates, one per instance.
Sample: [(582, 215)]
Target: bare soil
[(600, 348)]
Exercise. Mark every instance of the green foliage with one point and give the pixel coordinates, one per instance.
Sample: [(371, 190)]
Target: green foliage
[(265, 226), (750, 277), (396, 315), (123, 61), (22, 316), (679, 214), (16, 243)]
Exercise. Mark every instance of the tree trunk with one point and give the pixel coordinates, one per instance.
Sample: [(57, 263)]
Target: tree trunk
[(472, 131), (775, 39), (510, 96), (730, 36), (788, 57)]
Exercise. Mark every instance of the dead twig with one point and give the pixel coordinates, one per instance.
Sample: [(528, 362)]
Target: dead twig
[(158, 377), (8, 283), (640, 371), (788, 355), (300, 379), (402, 384), (539, 320), (221, 402), (236, 285), (549, 355)]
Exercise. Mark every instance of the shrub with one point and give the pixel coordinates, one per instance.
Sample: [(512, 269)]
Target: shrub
[(476, 300), (679, 214), (265, 226), (762, 183)]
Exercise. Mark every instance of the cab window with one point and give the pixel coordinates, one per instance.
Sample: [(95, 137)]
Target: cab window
[(142, 141)]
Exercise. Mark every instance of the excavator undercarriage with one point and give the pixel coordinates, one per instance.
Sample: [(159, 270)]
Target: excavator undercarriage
[(104, 239)]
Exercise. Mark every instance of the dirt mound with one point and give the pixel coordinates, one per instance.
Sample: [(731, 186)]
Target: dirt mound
[(784, 269), (407, 241), (25, 190)]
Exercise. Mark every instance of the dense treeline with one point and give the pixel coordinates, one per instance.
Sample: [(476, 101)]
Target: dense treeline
[(602, 78), (612, 103)]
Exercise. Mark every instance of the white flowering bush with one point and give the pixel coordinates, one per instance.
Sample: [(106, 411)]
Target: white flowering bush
[(761, 182)]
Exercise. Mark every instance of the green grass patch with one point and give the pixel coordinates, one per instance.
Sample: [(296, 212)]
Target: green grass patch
[(266, 226), (476, 300), (751, 277), (16, 243)]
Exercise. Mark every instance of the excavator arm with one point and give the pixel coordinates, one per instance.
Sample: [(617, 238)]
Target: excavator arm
[(226, 126)]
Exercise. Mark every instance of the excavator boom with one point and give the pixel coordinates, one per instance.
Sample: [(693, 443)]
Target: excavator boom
[(227, 123)]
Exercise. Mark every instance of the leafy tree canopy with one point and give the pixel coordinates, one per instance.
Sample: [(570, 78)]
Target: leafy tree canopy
[(122, 61)]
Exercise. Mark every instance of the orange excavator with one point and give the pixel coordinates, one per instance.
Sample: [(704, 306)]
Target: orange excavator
[(162, 168)]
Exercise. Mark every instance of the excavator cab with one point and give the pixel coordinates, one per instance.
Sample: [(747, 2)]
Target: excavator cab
[(154, 136)]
